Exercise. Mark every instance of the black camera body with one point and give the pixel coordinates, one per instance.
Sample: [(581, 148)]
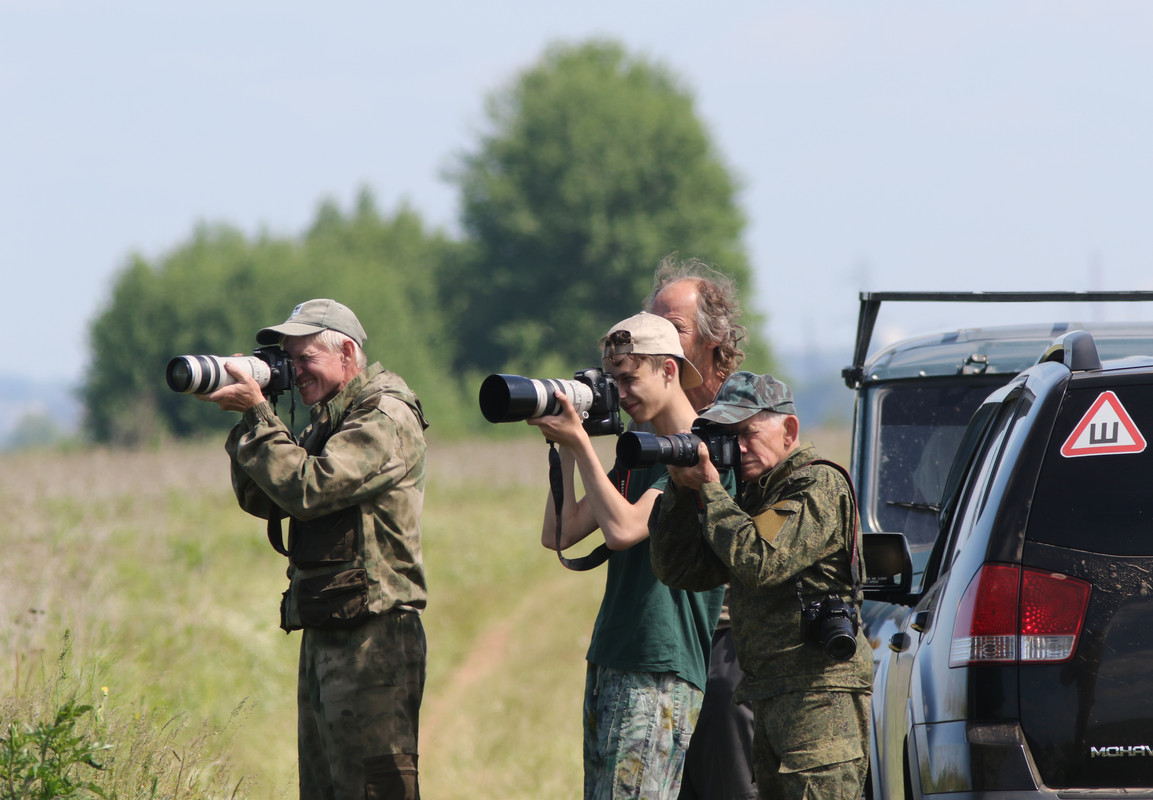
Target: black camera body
[(603, 417), (638, 449), (831, 623), (270, 366), (282, 375), (593, 392)]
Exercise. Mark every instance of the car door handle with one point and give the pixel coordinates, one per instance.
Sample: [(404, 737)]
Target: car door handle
[(899, 642), (921, 621)]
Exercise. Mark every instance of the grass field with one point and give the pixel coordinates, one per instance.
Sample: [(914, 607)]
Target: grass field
[(169, 594)]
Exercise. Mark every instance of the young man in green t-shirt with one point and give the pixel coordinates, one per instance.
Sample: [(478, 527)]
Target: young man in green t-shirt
[(648, 658)]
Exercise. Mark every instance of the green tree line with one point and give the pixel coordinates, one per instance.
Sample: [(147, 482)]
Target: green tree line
[(593, 165)]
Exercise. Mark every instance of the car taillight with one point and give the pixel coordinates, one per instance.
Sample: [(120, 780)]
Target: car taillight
[(1052, 610), (986, 626), (1010, 614)]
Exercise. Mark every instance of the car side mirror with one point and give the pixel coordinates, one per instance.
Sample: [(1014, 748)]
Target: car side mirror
[(888, 567)]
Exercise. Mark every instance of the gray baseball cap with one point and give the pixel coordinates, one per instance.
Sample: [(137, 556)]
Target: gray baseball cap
[(312, 317), (653, 335), (744, 394)]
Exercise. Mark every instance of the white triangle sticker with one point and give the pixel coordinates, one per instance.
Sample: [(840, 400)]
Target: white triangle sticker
[(1105, 430)]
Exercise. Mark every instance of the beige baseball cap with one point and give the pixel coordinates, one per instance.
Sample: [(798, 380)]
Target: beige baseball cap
[(650, 334), (315, 316)]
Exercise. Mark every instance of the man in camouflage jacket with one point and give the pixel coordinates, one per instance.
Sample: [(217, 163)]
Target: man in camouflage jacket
[(787, 541), (353, 490)]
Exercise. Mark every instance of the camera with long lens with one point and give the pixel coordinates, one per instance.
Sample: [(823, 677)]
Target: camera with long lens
[(270, 367), (638, 449), (831, 623), (593, 393)]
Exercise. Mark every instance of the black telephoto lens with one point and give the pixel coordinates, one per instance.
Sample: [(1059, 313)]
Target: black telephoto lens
[(636, 449)]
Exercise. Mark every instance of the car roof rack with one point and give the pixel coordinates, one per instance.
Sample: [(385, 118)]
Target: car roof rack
[(871, 306)]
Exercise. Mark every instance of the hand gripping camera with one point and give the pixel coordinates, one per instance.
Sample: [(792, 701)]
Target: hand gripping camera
[(831, 623), (270, 367), (638, 449), (593, 392)]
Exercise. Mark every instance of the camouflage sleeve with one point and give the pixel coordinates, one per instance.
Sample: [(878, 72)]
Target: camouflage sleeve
[(373, 449), (250, 496), (805, 526), (681, 558)]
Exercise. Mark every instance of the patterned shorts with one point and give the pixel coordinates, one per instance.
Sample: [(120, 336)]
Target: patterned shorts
[(637, 727)]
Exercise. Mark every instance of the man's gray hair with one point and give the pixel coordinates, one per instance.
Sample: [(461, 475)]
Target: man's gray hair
[(333, 341), (717, 306), (774, 419)]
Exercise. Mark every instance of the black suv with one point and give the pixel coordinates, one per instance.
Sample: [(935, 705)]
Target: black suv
[(915, 397), (1018, 670)]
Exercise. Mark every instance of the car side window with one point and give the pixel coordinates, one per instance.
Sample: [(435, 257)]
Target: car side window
[(975, 492), (918, 430)]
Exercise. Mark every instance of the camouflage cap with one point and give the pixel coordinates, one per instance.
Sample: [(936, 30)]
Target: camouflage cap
[(744, 394), (652, 335), (312, 317)]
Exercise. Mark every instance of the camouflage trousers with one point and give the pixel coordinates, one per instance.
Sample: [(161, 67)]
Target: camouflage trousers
[(637, 727), (358, 704), (809, 745)]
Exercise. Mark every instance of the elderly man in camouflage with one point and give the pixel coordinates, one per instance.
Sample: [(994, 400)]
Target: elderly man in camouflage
[(353, 489), (788, 539)]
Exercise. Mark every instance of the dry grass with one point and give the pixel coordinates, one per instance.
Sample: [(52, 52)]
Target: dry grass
[(170, 594)]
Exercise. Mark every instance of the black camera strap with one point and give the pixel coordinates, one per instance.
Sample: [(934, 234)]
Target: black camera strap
[(291, 411), (854, 565), (275, 514), (598, 556), (275, 534)]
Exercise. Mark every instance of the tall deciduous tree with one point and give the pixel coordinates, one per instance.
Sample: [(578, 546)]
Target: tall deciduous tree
[(594, 167)]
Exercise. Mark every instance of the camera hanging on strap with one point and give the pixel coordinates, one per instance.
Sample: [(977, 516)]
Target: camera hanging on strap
[(831, 622)]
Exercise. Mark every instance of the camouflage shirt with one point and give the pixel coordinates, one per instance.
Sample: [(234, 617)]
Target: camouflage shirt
[(792, 524), (363, 450)]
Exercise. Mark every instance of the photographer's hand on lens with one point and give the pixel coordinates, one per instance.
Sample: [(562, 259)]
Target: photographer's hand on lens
[(699, 474), (239, 396), (565, 428)]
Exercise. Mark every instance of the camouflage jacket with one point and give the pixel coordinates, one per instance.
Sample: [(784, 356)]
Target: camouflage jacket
[(791, 525), (360, 466)]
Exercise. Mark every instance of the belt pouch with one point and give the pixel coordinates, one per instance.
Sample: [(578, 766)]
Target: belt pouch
[(337, 600)]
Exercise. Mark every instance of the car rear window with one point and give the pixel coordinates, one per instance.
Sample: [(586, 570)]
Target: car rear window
[(1095, 488)]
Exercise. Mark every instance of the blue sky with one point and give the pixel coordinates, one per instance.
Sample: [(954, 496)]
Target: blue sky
[(883, 146)]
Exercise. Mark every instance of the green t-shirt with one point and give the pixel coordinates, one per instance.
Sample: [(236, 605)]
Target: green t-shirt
[(643, 625)]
